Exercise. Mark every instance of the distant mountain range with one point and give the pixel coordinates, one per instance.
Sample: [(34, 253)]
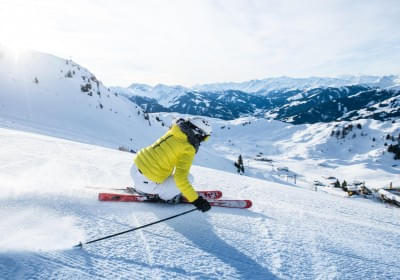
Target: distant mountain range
[(295, 100)]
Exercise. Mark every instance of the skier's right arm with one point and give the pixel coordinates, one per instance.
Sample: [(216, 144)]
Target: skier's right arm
[(181, 176)]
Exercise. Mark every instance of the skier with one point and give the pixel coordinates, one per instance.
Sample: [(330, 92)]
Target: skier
[(161, 170)]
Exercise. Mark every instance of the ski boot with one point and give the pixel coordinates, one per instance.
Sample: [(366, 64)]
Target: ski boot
[(175, 200), (149, 196)]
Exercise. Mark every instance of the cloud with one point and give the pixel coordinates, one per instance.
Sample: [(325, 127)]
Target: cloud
[(197, 41)]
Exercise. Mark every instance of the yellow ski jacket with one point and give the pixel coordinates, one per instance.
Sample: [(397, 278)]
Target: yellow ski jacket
[(172, 151)]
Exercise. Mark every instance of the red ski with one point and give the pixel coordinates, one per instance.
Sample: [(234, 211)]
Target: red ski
[(131, 190), (141, 198), (124, 197), (210, 194), (204, 194), (240, 203)]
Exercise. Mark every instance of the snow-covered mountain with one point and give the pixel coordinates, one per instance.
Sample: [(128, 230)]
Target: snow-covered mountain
[(56, 95), (309, 151), (291, 100), (265, 86), (164, 94), (43, 93), (49, 185), (335, 104)]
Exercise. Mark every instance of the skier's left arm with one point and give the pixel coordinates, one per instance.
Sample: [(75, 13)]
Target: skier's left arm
[(181, 176)]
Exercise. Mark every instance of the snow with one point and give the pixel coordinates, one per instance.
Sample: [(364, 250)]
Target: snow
[(296, 97), (58, 149), (389, 195), (289, 233), (297, 103)]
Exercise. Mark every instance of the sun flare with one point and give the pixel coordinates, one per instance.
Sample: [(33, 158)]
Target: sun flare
[(17, 28), (14, 51)]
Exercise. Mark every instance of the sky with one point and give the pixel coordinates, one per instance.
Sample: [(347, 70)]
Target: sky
[(189, 42)]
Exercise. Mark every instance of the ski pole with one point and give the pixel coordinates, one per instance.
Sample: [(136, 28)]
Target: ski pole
[(133, 229)]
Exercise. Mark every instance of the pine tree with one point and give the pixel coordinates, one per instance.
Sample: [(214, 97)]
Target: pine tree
[(344, 186), (394, 149), (69, 74), (239, 165), (240, 160)]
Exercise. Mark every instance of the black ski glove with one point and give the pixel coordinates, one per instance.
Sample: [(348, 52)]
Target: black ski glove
[(202, 204)]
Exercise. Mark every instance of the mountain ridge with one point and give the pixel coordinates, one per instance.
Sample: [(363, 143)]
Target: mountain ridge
[(42, 90), (267, 85), (318, 104), (296, 100)]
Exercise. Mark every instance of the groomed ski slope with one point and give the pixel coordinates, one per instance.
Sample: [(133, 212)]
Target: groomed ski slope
[(290, 233)]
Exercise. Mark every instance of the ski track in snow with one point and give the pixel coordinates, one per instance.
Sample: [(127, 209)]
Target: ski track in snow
[(290, 233)]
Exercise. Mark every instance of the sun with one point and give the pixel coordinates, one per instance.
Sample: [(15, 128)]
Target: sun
[(16, 27), (13, 46), (13, 50)]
